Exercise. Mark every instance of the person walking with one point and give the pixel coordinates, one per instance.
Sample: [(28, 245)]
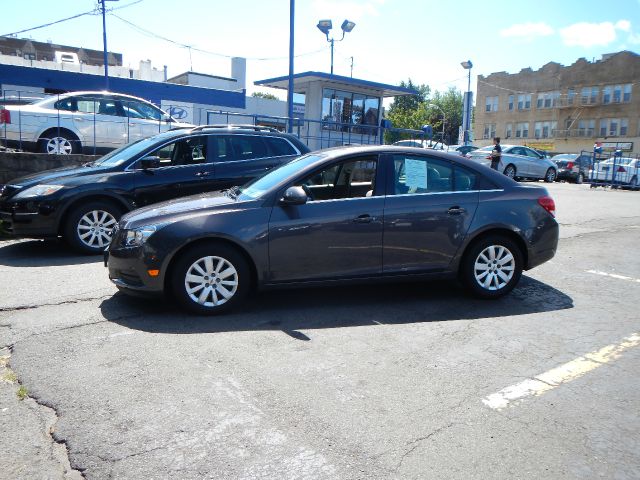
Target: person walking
[(496, 153)]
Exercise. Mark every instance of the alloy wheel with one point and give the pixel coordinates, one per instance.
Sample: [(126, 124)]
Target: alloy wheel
[(94, 228), (211, 281), (59, 145), (494, 267)]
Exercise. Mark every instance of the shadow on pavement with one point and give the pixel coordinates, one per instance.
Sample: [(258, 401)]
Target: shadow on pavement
[(293, 310), (41, 253)]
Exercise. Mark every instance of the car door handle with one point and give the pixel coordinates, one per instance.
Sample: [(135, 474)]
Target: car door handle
[(366, 218), (202, 174), (456, 211), (78, 119)]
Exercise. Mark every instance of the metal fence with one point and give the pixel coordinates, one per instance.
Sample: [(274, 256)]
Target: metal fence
[(614, 168)]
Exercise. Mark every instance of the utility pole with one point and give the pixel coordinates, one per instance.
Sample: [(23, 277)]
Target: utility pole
[(351, 67)]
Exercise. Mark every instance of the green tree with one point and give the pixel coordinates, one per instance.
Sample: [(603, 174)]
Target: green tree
[(268, 96)]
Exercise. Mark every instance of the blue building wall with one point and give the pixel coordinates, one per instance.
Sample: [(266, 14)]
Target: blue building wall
[(152, 91)]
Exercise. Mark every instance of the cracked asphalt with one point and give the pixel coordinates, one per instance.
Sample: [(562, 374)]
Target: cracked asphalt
[(382, 382)]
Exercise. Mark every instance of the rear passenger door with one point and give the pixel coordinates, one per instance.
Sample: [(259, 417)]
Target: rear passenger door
[(429, 207)]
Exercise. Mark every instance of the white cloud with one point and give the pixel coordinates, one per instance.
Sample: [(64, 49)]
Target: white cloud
[(591, 34), (527, 30)]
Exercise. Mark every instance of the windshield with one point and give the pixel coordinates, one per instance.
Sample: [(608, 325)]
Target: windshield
[(122, 154), (263, 184)]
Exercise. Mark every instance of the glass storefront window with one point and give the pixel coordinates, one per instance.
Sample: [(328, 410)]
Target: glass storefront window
[(349, 108)]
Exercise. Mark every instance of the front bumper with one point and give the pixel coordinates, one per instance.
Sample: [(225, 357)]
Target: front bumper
[(29, 219), (129, 268)]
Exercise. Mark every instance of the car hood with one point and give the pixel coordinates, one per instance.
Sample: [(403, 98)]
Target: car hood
[(61, 175), (172, 210)]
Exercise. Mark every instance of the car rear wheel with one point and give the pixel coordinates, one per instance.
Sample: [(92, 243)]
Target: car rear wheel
[(510, 171), (210, 279), (580, 178), (88, 227), (550, 176), (62, 142), (492, 267)]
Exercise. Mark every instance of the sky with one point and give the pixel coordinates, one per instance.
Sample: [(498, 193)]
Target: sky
[(393, 40)]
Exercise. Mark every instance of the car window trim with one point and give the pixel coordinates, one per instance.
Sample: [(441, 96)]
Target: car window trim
[(158, 147)]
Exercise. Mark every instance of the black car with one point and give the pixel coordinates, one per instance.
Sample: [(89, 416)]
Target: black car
[(344, 214), (573, 167), (82, 204)]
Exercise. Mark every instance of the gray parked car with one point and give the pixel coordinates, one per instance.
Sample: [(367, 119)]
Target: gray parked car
[(518, 162), (346, 214)]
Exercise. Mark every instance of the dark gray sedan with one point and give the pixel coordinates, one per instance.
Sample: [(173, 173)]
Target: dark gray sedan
[(346, 214)]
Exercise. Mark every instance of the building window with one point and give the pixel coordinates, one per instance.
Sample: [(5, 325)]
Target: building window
[(624, 127), (491, 104), (348, 108), (617, 94), (524, 102), (571, 95), (626, 93), (489, 130), (508, 133), (510, 102), (586, 128), (547, 99), (544, 129), (522, 130), (29, 56), (606, 95), (613, 127), (589, 95)]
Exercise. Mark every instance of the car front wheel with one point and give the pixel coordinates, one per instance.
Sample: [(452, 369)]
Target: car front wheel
[(580, 178), (492, 267), (61, 142), (89, 227), (550, 176), (210, 279)]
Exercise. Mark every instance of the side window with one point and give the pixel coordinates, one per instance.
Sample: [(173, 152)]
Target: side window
[(67, 104), (135, 109), (517, 151), (187, 151), (247, 147), (221, 150), (87, 105), (349, 179), (464, 180), (421, 175), (531, 153), (107, 106), (280, 147)]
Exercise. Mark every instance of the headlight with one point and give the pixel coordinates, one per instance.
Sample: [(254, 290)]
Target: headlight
[(38, 191), (137, 236)]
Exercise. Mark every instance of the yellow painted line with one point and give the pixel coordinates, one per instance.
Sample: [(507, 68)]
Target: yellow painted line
[(534, 387), (613, 275)]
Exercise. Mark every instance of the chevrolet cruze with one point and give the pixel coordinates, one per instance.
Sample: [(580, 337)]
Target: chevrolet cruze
[(340, 215)]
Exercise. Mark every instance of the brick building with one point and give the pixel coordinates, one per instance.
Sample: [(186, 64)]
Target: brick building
[(563, 109)]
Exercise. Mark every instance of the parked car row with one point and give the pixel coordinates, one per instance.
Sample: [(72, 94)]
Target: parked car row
[(345, 214)]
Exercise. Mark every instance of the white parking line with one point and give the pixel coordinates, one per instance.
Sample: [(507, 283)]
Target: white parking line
[(613, 275), (557, 376)]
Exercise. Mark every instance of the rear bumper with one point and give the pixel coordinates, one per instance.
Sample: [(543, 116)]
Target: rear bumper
[(545, 246)]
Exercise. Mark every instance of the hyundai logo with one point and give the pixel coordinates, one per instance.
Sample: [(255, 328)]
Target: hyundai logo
[(178, 113)]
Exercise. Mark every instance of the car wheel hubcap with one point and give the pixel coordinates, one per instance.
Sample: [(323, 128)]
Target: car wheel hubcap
[(510, 172), (211, 281), (494, 267), (95, 227), (551, 175), (59, 145)]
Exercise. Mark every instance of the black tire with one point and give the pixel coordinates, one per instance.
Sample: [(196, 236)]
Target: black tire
[(88, 227), (580, 178), (510, 171), (550, 176), (502, 273), (59, 142), (200, 270)]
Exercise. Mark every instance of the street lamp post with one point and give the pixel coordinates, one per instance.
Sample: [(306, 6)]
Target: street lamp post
[(325, 25), (444, 119), (467, 123), (292, 6), (104, 40)]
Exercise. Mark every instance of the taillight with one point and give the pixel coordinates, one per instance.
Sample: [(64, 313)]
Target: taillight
[(5, 116), (488, 157), (548, 204), (570, 165), (621, 170)]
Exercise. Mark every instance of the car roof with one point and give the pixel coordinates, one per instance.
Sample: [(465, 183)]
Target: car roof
[(94, 92)]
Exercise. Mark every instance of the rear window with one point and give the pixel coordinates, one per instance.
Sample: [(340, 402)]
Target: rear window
[(248, 147)]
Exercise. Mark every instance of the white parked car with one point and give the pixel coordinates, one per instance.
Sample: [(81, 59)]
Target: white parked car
[(518, 162), (79, 122), (621, 170), (433, 144)]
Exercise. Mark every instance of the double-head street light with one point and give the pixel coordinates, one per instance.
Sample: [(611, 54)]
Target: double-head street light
[(467, 65), (325, 25), (444, 119)]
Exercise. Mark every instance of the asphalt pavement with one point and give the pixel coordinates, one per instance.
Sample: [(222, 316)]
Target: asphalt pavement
[(404, 381)]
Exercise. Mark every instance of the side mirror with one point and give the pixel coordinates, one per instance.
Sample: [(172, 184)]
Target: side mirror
[(149, 162), (294, 196)]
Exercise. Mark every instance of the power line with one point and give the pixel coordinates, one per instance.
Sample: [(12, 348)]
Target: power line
[(149, 33)]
